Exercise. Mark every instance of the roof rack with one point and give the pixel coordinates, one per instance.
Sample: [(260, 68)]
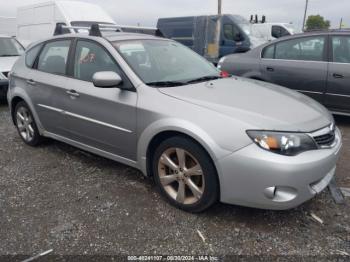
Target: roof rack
[(94, 30)]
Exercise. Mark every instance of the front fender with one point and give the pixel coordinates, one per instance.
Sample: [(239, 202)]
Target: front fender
[(181, 126)]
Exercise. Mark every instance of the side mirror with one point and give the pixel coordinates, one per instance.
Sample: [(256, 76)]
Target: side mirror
[(106, 79), (238, 37)]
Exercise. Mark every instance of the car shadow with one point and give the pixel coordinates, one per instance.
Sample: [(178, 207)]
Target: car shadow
[(251, 217)]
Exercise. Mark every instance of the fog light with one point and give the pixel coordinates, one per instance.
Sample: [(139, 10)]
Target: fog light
[(280, 193)]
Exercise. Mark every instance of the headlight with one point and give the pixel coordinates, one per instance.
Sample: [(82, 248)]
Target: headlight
[(289, 144)]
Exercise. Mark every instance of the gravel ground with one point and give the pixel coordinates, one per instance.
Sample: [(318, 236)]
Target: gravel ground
[(61, 198)]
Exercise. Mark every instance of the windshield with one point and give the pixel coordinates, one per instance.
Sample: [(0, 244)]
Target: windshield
[(161, 61), (246, 28), (10, 47)]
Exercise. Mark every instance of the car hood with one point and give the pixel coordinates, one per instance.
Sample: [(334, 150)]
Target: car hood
[(259, 104), (6, 63)]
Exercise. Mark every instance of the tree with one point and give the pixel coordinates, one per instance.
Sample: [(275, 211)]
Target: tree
[(317, 22)]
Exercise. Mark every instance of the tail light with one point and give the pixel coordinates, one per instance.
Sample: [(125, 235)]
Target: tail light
[(224, 74)]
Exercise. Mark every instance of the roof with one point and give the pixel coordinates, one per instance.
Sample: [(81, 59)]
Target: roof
[(311, 33), (109, 36), (120, 36)]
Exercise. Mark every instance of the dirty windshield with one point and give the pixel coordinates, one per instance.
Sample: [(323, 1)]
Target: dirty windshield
[(165, 63)]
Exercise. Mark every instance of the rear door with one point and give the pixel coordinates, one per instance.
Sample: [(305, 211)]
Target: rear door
[(103, 118), (338, 89), (47, 84), (299, 64)]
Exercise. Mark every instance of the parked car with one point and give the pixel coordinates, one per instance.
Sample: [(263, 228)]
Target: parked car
[(10, 50), (272, 31), (153, 104), (316, 64), (211, 36)]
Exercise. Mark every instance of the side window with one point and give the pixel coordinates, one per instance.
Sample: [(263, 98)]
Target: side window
[(53, 58), (276, 31), (306, 49), (230, 32), (32, 54), (91, 58), (269, 52), (341, 49)]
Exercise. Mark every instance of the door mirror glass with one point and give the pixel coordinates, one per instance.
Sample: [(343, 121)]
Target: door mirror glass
[(238, 37), (106, 79)]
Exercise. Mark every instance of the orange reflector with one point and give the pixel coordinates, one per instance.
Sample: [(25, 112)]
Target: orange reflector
[(272, 142)]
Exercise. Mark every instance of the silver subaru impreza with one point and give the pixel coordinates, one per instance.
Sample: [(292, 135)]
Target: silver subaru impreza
[(155, 105)]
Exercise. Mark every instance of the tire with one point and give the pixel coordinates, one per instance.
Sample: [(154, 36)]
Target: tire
[(26, 126), (191, 184)]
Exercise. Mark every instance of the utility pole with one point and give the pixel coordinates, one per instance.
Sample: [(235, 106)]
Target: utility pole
[(304, 21), (219, 7), (341, 23)]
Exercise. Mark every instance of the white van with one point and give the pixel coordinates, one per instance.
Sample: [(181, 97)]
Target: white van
[(38, 21), (8, 26), (271, 31)]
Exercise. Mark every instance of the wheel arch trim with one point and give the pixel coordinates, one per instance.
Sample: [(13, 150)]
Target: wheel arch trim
[(26, 99), (178, 126)]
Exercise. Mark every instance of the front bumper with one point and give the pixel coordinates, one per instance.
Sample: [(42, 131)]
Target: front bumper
[(257, 178), (4, 83)]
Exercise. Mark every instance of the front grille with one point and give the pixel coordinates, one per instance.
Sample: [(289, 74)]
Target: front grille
[(325, 140)]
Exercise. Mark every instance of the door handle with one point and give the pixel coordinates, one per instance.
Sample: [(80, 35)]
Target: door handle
[(270, 69), (335, 75), (72, 93), (31, 82)]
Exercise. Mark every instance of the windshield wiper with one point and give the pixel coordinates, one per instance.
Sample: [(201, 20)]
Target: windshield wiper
[(166, 83), (202, 79)]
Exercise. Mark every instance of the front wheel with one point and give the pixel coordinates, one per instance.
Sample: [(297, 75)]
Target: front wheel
[(185, 174)]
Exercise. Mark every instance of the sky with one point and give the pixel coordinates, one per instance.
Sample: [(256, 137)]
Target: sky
[(146, 12)]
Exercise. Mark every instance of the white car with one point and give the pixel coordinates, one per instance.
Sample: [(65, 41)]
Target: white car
[(10, 50)]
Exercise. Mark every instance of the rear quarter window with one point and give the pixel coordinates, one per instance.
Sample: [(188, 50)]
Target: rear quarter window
[(32, 54)]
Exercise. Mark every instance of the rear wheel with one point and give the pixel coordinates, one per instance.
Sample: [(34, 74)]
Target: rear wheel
[(185, 174), (26, 125)]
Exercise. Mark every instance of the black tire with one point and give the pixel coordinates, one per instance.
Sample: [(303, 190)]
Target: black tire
[(210, 193), (36, 138)]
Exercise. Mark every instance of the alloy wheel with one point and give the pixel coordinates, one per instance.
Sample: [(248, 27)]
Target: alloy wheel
[(25, 124), (181, 176)]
